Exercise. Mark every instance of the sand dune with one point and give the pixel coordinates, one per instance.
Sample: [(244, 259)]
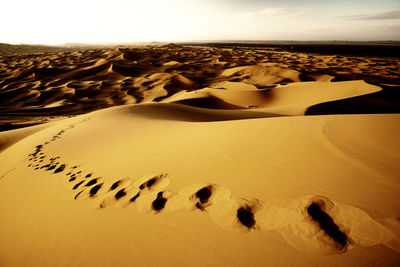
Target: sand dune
[(290, 99), (192, 173), (183, 156), (79, 82)]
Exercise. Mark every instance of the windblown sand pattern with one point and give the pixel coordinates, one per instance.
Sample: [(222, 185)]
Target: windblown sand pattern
[(36, 87), (199, 156)]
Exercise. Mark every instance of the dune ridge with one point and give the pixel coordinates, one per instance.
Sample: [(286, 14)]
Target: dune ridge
[(71, 83)]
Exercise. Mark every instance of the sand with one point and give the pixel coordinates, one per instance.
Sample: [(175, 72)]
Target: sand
[(200, 170), (40, 87)]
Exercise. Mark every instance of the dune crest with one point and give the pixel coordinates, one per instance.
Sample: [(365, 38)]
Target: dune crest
[(72, 83), (291, 99)]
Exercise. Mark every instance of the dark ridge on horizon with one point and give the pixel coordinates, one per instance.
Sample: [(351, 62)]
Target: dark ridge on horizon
[(387, 48), (28, 49), (345, 48), (295, 41), (31, 49)]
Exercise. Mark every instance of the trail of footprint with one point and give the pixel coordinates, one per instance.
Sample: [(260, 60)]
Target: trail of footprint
[(141, 192), (309, 223)]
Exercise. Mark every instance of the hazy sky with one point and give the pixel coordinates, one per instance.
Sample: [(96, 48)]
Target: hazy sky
[(66, 21)]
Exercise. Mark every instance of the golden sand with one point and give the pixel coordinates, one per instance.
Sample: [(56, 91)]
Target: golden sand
[(198, 157)]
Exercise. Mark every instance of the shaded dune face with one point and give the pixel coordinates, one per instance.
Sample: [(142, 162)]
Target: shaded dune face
[(69, 83)]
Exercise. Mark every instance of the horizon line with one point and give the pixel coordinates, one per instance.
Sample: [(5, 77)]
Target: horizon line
[(203, 41)]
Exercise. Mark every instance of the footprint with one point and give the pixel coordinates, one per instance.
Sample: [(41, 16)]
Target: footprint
[(60, 168), (135, 197), (155, 182), (110, 195), (52, 167), (120, 194), (245, 215), (317, 229), (92, 182), (76, 186), (90, 192), (94, 190), (141, 193), (73, 176), (203, 196), (115, 185), (89, 189), (327, 224), (160, 202)]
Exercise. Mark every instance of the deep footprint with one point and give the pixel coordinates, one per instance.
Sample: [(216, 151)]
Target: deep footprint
[(45, 166), (203, 195), (91, 182), (115, 185), (77, 185), (52, 167), (93, 191), (120, 194), (133, 199), (327, 224), (159, 203), (60, 169), (246, 216), (149, 184)]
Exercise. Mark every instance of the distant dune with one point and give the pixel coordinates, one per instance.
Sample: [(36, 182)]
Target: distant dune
[(345, 48), (178, 155), (37, 86), (8, 49)]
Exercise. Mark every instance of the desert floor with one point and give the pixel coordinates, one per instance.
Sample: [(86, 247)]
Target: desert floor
[(199, 156)]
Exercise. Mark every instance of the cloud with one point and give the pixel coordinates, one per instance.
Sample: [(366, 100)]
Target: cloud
[(377, 16), (274, 12)]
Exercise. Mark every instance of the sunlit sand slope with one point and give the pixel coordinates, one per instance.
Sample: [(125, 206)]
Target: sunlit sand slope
[(167, 184), (290, 99)]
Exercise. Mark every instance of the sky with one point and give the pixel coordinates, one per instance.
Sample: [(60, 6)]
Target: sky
[(104, 21)]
